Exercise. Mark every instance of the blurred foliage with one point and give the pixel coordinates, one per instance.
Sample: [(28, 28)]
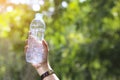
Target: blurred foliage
[(83, 38)]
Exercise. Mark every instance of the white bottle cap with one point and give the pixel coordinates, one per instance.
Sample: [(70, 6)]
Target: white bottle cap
[(38, 16)]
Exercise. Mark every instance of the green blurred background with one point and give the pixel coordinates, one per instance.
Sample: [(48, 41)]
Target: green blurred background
[(83, 37)]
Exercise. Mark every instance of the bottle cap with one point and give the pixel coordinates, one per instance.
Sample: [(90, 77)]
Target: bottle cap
[(38, 16)]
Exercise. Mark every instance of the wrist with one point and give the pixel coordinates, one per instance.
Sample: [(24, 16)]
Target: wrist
[(43, 68)]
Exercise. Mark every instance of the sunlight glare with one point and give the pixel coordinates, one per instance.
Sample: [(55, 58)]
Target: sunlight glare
[(64, 4), (15, 1), (0, 8), (51, 9), (81, 1), (9, 9), (36, 7), (23, 1), (41, 2)]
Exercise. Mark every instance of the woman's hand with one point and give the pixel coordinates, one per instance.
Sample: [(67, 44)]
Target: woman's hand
[(32, 40), (43, 65)]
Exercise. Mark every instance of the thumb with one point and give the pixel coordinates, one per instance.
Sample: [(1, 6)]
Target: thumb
[(45, 45)]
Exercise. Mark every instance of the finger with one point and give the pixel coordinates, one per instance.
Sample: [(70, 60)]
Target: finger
[(29, 32), (45, 45), (25, 48), (26, 41), (30, 38)]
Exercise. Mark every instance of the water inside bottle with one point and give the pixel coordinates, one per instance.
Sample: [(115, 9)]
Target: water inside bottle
[(35, 51), (38, 33)]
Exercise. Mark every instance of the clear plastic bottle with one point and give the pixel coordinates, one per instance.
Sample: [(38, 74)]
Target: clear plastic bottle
[(37, 27)]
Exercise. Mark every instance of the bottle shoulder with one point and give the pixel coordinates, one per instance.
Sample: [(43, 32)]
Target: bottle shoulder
[(37, 23)]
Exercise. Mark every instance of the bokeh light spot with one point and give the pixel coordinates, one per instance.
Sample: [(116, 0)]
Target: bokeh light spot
[(9, 9), (51, 9), (64, 4), (82, 1), (36, 7), (41, 2)]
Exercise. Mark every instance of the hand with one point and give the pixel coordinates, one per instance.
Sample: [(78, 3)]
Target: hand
[(43, 65), (44, 58)]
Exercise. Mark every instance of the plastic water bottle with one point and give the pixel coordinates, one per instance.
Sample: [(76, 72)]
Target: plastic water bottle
[(37, 27)]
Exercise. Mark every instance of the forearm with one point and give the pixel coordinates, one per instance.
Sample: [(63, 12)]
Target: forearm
[(41, 70)]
